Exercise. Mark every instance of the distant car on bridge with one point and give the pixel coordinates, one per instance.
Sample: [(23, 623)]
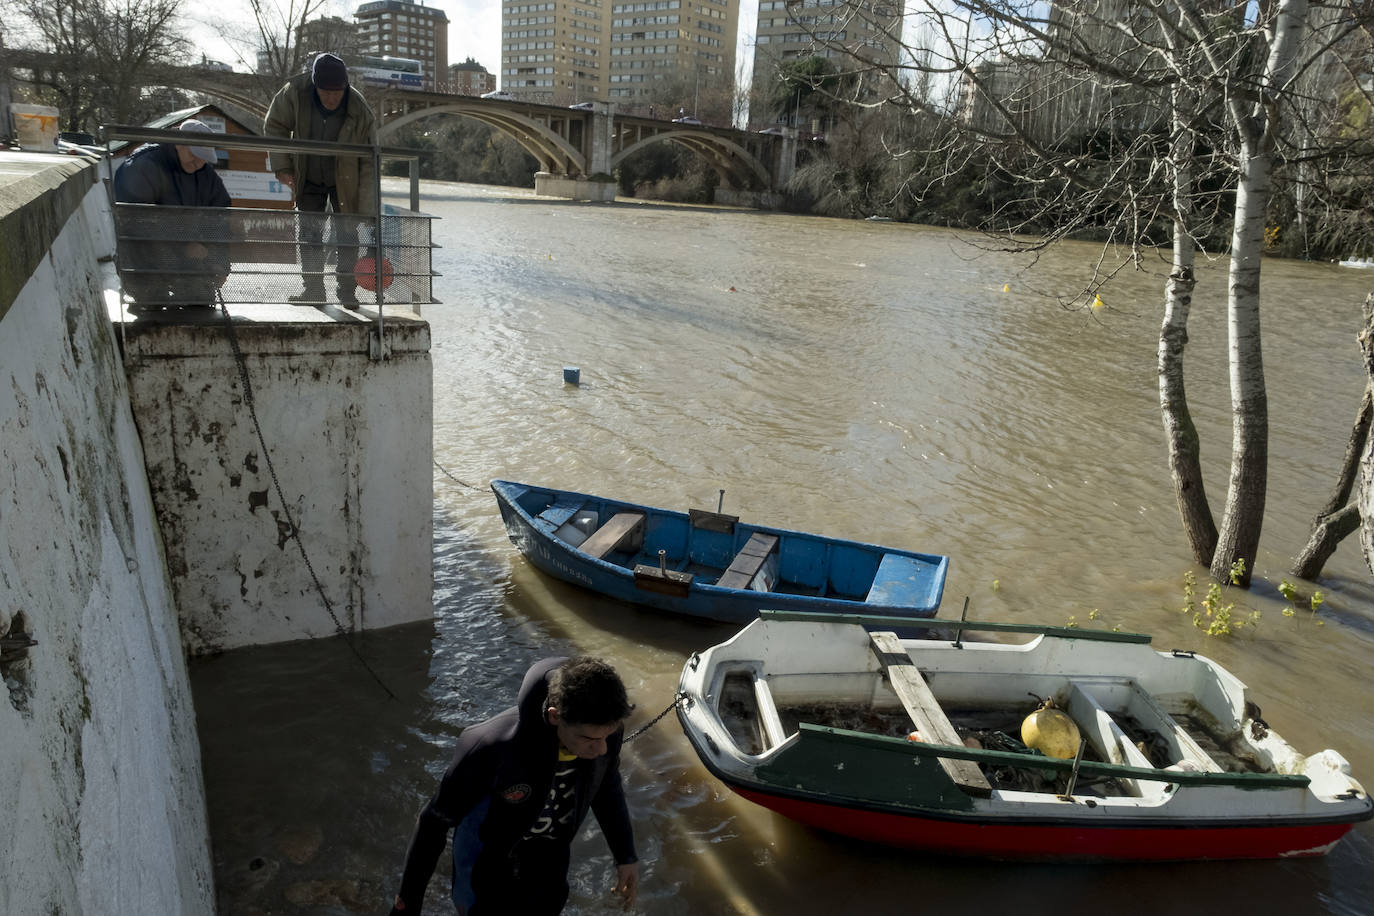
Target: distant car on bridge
[(774, 131), (688, 119), (583, 106), (499, 95)]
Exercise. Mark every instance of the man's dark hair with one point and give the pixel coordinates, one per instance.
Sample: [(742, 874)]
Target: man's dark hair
[(587, 691)]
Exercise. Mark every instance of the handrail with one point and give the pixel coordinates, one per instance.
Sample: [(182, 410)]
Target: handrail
[(246, 141), (112, 132), (1037, 762), (934, 623)]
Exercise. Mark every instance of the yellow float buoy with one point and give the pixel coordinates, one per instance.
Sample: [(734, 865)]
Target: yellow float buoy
[(1006, 287), (1098, 305), (1050, 731)]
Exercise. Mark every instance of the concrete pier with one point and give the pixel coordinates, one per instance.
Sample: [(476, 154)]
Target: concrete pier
[(349, 438)]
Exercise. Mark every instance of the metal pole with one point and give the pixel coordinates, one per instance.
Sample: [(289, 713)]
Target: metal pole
[(959, 633), (107, 165), (415, 185), (377, 241), (1073, 774)]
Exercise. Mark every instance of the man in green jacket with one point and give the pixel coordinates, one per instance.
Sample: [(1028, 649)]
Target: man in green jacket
[(321, 105)]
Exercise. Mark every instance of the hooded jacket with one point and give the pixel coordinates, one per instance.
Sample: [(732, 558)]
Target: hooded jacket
[(289, 118), (497, 785), (152, 174)]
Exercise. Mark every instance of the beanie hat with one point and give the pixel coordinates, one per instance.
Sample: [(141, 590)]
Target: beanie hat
[(329, 73)]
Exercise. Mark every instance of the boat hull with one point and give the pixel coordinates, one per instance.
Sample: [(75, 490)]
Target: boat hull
[(701, 598), (907, 742), (1056, 842)]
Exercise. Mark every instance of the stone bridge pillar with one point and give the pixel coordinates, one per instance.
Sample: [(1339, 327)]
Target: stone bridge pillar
[(786, 166), (602, 132), (597, 148)]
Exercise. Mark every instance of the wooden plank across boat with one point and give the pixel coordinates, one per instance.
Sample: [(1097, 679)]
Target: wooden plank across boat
[(814, 716), (709, 564)]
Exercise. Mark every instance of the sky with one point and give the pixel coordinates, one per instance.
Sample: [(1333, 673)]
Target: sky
[(474, 30)]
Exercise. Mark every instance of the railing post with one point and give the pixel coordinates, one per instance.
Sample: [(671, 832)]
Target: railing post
[(379, 349)]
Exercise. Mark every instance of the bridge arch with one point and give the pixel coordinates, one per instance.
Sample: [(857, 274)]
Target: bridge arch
[(736, 166), (247, 103), (554, 154)]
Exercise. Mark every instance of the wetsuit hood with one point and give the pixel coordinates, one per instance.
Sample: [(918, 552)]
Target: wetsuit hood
[(533, 700)]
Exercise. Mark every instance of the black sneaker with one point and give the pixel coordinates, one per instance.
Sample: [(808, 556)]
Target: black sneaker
[(348, 298)]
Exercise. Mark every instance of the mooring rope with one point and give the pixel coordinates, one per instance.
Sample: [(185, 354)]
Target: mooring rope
[(281, 497), (677, 701), (455, 479)]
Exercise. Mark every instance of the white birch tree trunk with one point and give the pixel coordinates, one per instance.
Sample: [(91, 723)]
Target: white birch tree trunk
[(1185, 451), (1255, 125), (1364, 498)]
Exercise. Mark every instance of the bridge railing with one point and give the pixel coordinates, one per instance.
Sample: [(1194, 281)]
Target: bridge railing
[(180, 256)]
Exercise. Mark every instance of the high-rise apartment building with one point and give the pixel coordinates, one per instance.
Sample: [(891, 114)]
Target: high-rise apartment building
[(470, 78), (399, 28), (843, 34), (1069, 87), (568, 51), (332, 34), (687, 42)]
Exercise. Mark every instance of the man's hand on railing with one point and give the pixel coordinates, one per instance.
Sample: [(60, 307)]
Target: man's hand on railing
[(288, 178)]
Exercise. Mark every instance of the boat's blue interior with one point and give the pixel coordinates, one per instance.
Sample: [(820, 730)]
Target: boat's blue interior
[(807, 564)]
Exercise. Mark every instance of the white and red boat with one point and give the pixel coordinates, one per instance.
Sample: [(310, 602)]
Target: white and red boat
[(913, 742)]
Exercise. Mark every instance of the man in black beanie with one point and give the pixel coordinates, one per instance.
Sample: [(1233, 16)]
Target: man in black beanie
[(321, 105)]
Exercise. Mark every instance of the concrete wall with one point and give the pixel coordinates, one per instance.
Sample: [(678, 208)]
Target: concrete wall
[(351, 442), (759, 200), (550, 185), (102, 806)]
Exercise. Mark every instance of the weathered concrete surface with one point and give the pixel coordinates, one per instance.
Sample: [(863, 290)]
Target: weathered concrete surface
[(759, 200), (350, 439), (38, 192), (550, 185), (102, 806)]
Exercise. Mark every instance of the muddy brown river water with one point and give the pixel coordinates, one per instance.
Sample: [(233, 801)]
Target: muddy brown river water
[(877, 381)]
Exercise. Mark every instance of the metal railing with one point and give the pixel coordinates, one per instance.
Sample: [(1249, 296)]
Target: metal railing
[(170, 256)]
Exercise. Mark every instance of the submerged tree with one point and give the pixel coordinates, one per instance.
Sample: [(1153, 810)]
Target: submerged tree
[(1146, 123)]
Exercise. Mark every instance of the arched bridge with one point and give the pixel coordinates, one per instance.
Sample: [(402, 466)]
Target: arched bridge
[(248, 91), (578, 143), (566, 142)]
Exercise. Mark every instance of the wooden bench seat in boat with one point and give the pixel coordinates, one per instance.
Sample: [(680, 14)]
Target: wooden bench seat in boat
[(1089, 694), (925, 712), (662, 580), (748, 561), (904, 582), (712, 521), (554, 517), (618, 529)]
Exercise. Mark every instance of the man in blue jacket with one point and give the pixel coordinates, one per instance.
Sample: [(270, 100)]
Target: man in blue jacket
[(517, 791), (188, 258)]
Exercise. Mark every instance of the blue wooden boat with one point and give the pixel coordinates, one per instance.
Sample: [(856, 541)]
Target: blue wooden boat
[(707, 564)]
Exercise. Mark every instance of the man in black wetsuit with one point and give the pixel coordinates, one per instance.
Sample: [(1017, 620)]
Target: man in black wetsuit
[(517, 791)]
